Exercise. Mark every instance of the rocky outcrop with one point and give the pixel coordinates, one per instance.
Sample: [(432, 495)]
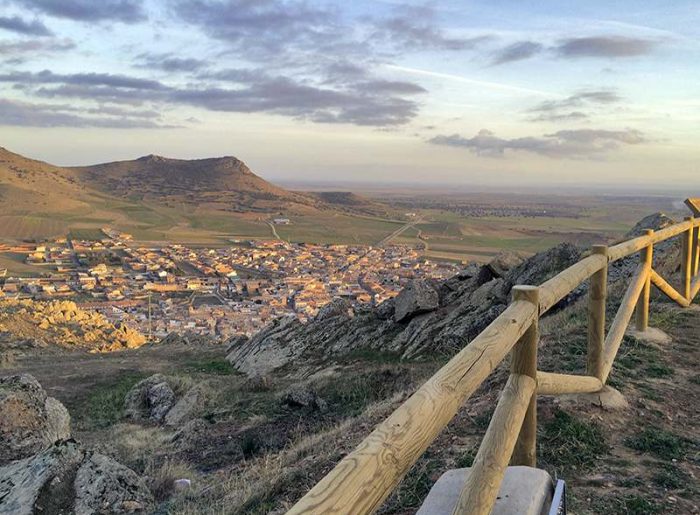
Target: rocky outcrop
[(149, 400), (441, 322), (184, 408), (66, 479), (188, 338), (30, 420), (103, 485), (64, 324), (418, 297), (297, 398)]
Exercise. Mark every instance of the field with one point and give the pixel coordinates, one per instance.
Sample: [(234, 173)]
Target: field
[(30, 226), (456, 227)]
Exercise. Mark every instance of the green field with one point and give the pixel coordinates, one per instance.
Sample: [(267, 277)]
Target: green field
[(90, 234), (30, 227), (337, 228)]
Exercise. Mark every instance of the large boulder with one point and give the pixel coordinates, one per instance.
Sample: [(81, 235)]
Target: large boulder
[(30, 420), (149, 400), (103, 485), (66, 479), (184, 408), (418, 297)]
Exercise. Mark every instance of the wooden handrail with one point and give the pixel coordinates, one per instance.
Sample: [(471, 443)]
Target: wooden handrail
[(365, 477)]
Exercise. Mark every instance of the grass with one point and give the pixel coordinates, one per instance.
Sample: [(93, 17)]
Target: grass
[(104, 405), (670, 477), (628, 504), (659, 442), (215, 366), (88, 234), (567, 442)]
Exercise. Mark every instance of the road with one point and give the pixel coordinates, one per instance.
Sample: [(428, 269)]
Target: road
[(274, 231), (398, 232)]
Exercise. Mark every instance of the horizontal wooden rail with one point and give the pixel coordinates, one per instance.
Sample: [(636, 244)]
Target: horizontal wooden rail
[(481, 488), (629, 247), (559, 286), (549, 383), (669, 290), (365, 477), (622, 319)]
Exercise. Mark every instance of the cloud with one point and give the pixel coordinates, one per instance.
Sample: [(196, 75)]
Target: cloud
[(85, 79), (19, 49), (49, 115), (260, 26), (578, 144), (22, 26), (364, 102), (605, 46), (414, 28), (517, 52), (560, 110), (127, 11), (169, 62)]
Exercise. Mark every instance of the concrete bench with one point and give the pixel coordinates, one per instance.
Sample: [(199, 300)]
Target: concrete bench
[(524, 491)]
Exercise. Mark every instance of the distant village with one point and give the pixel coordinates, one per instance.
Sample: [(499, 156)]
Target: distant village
[(217, 292)]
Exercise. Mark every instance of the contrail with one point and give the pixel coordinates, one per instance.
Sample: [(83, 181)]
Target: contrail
[(458, 78)]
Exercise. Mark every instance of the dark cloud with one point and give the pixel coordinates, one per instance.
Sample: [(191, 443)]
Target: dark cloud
[(22, 26), (365, 102), (517, 52), (260, 26), (605, 46), (82, 79), (169, 62), (24, 114), (127, 11), (580, 143), (414, 28)]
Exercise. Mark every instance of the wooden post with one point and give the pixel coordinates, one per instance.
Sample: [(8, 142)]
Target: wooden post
[(687, 257), (524, 361), (597, 295), (696, 252), (646, 257)]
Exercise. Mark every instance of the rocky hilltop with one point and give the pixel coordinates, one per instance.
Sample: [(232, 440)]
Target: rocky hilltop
[(64, 324), (428, 317)]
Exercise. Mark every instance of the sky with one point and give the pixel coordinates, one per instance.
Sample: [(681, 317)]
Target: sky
[(509, 93)]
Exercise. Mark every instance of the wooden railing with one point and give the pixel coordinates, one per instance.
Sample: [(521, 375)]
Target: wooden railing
[(365, 478)]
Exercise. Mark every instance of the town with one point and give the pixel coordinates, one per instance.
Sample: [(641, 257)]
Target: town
[(214, 292)]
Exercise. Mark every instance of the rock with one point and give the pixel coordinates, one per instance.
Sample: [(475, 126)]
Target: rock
[(651, 335), (235, 341), (504, 262), (335, 308), (66, 479), (418, 297), (608, 398), (303, 398), (103, 485), (40, 483), (150, 399), (189, 434), (185, 407), (656, 222), (258, 384), (30, 421)]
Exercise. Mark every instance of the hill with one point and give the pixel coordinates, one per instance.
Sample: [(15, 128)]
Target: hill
[(224, 183), (158, 199)]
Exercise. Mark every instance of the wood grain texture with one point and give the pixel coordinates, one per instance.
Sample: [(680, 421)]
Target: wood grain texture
[(629, 247), (364, 478), (687, 259), (646, 257), (524, 361), (622, 319), (559, 286), (481, 488), (550, 383), (668, 290), (597, 297)]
